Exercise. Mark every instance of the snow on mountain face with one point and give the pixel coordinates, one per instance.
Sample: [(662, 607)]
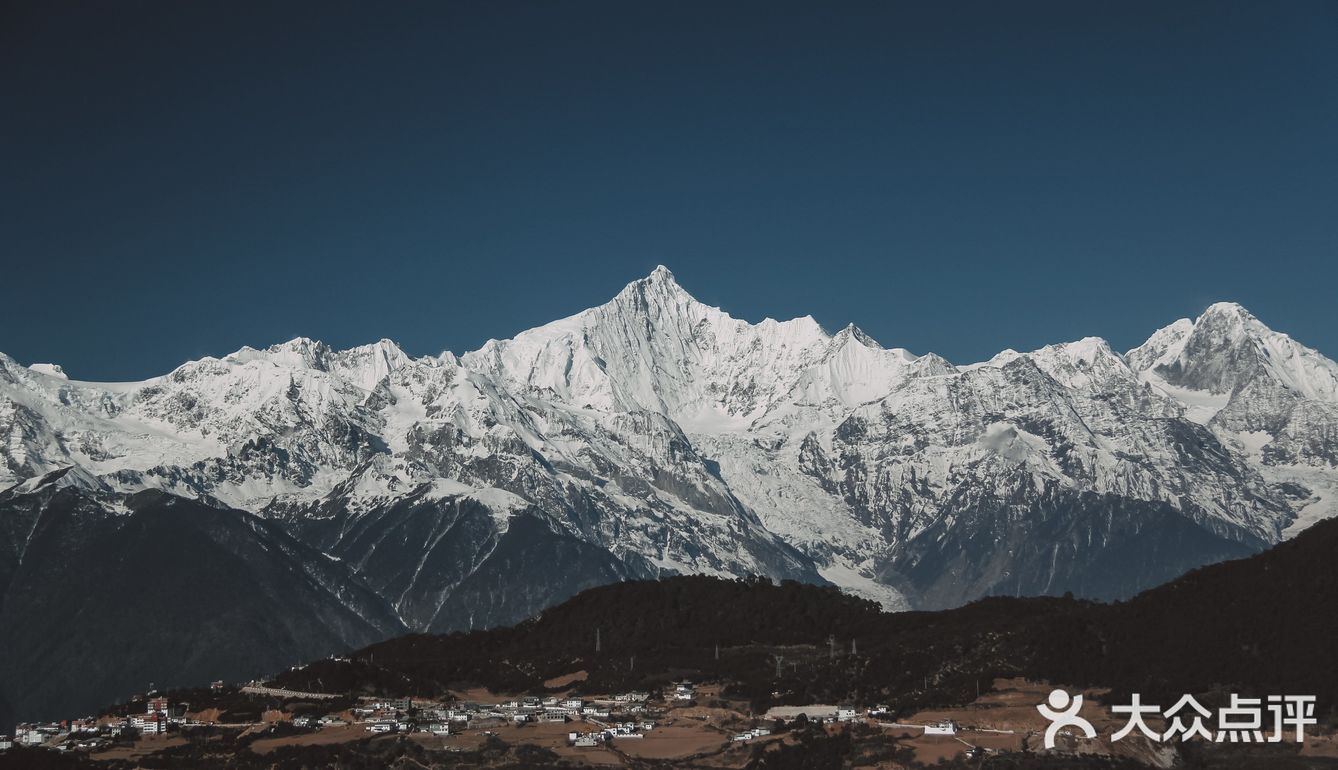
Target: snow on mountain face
[(1273, 399), (654, 347), (654, 433)]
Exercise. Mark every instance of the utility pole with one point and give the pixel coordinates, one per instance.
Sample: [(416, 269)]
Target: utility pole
[(779, 660), (598, 642), (717, 650), (852, 648), (831, 646)]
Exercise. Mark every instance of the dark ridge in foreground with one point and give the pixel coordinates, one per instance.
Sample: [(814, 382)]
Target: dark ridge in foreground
[(173, 591), (1260, 625)]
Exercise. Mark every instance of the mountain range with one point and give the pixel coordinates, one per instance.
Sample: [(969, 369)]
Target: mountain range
[(246, 512)]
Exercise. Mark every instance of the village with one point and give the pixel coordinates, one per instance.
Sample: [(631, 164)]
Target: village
[(682, 720)]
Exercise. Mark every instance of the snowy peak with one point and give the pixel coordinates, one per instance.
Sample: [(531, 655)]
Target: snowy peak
[(855, 334), (656, 303), (51, 370), (1226, 348), (368, 365), (1088, 351), (1223, 350), (1232, 316), (364, 366), (1162, 347), (655, 347), (660, 285), (854, 369), (298, 353), (1087, 364)]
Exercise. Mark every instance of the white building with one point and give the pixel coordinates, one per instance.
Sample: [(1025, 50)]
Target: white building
[(756, 732), (947, 727), (585, 740)]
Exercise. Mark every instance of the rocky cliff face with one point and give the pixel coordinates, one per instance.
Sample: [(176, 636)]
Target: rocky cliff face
[(655, 435)]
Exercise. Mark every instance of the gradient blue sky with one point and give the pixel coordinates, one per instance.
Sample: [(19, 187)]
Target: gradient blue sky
[(182, 179)]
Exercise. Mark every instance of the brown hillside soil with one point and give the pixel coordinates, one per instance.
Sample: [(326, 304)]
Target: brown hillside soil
[(566, 680), (324, 737), (676, 741), (142, 748)]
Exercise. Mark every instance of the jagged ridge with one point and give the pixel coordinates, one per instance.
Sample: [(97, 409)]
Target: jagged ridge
[(655, 435)]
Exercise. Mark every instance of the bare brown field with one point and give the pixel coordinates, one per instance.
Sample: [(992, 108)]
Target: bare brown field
[(596, 755), (481, 695), (142, 748), (324, 737), (566, 680), (673, 742), (206, 715), (547, 734)]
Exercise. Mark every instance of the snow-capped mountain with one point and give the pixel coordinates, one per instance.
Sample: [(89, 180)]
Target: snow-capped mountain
[(654, 434), (1270, 398)]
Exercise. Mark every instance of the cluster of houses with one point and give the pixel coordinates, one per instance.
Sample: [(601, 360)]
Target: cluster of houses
[(622, 716), (402, 715), (837, 713), (94, 735), (608, 732), (631, 704), (756, 732), (66, 735)]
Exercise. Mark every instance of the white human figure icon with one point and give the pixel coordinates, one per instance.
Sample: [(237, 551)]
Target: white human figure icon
[(1063, 712)]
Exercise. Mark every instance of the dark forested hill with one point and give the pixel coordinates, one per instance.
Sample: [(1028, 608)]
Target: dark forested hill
[(1261, 624)]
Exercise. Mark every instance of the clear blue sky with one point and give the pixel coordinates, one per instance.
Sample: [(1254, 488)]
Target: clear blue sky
[(182, 179)]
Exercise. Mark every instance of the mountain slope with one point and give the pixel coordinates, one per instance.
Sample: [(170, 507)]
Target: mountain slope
[(1254, 626), (654, 435), (1269, 397), (108, 595)]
